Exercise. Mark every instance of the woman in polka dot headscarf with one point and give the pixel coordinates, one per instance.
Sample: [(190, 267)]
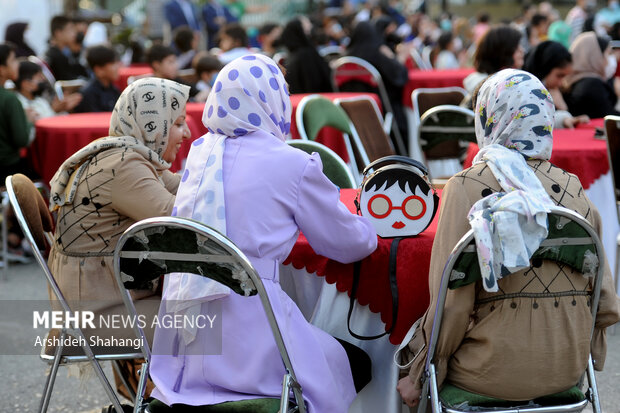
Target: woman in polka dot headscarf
[(242, 179)]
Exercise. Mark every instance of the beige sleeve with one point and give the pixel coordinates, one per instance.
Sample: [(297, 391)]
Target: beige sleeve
[(137, 191), (608, 306), (453, 224), (171, 181)]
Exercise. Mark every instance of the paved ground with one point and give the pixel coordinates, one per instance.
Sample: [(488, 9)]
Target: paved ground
[(23, 375)]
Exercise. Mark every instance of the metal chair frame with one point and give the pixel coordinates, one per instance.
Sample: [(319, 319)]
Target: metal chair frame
[(58, 359), (612, 131), (418, 60), (430, 389), (289, 380), (389, 123), (349, 140), (60, 86)]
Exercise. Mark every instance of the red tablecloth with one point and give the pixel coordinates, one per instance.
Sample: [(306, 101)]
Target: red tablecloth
[(328, 136), (59, 137), (432, 79), (574, 150), (413, 262), (126, 72)]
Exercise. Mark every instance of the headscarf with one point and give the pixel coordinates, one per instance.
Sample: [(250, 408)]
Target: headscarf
[(560, 31), (15, 34), (141, 121), (588, 59), (294, 37), (545, 57), (365, 41), (513, 122), (249, 96)]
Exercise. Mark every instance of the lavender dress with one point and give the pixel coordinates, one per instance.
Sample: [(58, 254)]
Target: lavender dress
[(270, 192)]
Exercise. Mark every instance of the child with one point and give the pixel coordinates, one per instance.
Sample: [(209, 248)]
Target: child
[(31, 84), (207, 67), (233, 42), (100, 94), (59, 56), (16, 131), (164, 63), (186, 43)]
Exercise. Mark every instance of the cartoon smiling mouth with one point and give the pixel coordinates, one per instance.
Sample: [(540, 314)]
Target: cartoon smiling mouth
[(398, 225)]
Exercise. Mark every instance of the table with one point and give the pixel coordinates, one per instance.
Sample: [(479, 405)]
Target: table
[(320, 287), (59, 137), (433, 79), (578, 152), (126, 72), (328, 136)]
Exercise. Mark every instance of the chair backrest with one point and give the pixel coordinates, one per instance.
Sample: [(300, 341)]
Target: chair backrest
[(330, 53), (66, 87), (188, 76), (426, 56), (443, 129), (333, 166), (314, 112), (417, 60), (425, 98), (612, 130), (366, 118), (571, 241)]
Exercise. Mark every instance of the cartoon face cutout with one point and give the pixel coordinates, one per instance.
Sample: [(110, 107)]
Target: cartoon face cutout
[(394, 212)]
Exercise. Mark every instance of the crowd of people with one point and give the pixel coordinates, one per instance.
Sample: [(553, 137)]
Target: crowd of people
[(565, 69)]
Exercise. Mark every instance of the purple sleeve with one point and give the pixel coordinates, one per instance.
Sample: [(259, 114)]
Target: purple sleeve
[(330, 228)]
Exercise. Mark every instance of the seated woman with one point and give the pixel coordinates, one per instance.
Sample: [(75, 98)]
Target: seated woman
[(588, 89), (491, 343), (245, 181), (551, 63), (110, 184)]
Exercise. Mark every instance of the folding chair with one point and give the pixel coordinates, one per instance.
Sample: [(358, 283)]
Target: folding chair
[(331, 53), (64, 87), (36, 223), (570, 242), (157, 246), (333, 166), (314, 112), (366, 117), (425, 98), (444, 134), (188, 76), (418, 61), (612, 131), (426, 56), (349, 68)]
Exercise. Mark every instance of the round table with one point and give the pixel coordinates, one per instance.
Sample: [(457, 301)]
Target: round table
[(59, 137), (125, 72)]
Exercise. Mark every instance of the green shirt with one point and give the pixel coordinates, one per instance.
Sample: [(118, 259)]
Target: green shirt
[(14, 128)]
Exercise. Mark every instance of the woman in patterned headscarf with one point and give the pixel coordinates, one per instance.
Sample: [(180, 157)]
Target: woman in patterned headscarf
[(490, 326), (245, 181), (110, 184)]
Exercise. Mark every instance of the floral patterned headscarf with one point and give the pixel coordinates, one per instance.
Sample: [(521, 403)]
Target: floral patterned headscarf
[(514, 118)]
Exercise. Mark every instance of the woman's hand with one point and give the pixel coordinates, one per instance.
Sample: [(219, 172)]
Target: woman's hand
[(571, 122), (408, 391)]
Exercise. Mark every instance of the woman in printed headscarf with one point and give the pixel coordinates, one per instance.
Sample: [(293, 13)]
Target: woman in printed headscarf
[(551, 63), (589, 90), (496, 341), (110, 184), (245, 181)]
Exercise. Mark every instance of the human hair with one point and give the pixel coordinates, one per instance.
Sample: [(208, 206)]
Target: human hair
[(27, 70), (59, 23), (496, 49), (206, 63), (236, 32), (5, 51), (183, 37), (444, 40), (402, 178), (157, 53), (267, 28), (538, 19), (100, 55), (483, 17)]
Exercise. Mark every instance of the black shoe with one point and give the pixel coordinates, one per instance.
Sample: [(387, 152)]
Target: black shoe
[(110, 409)]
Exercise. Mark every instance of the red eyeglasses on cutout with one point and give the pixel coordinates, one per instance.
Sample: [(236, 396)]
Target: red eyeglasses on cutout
[(380, 206)]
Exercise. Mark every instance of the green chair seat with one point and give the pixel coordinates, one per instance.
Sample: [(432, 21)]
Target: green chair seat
[(333, 166), (266, 405), (455, 397)]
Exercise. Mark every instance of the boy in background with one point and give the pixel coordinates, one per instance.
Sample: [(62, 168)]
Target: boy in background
[(100, 94), (206, 67), (233, 42), (59, 56), (164, 63)]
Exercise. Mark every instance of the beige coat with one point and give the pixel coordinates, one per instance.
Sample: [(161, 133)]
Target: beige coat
[(513, 348), (119, 188)]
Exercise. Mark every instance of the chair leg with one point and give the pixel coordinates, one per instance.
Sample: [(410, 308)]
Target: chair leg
[(139, 405), (5, 234), (596, 403), (121, 375), (286, 382), (51, 377)]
